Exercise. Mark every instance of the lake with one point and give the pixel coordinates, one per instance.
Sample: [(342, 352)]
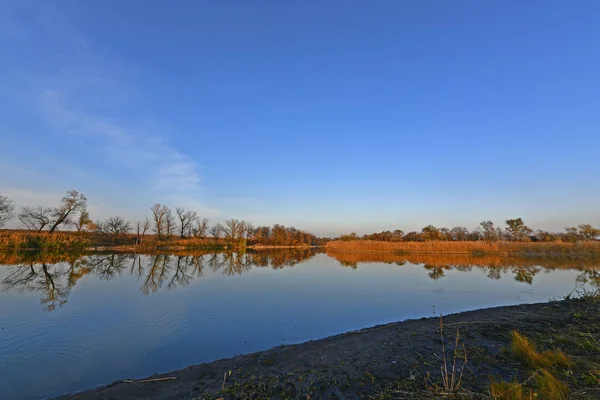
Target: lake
[(69, 323)]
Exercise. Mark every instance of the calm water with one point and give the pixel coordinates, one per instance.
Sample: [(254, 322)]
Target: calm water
[(72, 324)]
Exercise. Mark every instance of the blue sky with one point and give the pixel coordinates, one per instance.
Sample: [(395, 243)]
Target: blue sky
[(330, 116)]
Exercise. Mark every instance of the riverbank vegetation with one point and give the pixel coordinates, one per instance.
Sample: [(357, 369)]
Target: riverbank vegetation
[(475, 247), (69, 226), (515, 231), (166, 228), (516, 239), (43, 241)]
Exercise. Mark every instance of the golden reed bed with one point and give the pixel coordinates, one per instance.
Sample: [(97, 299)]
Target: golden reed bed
[(42, 240), (439, 247)]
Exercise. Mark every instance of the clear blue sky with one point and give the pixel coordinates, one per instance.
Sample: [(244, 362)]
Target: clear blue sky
[(330, 116)]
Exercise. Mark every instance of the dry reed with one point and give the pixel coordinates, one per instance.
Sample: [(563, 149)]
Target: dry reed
[(483, 247), (24, 240)]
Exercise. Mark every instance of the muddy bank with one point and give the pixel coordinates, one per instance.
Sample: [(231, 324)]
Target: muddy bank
[(394, 360)]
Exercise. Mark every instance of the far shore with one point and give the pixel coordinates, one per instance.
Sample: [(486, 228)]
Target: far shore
[(467, 247), (16, 240), (399, 360)]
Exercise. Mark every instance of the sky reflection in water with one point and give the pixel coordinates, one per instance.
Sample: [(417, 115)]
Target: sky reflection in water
[(74, 322)]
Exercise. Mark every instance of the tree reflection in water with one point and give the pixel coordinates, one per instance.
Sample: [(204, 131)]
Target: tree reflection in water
[(54, 276), (47, 279), (524, 269)]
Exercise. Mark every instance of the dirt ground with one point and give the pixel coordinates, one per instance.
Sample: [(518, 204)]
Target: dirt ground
[(394, 361)]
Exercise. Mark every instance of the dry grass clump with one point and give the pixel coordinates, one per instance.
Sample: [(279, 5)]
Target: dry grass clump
[(502, 390), (544, 384), (549, 387), (523, 349)]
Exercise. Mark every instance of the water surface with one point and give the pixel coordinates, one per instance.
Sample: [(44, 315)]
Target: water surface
[(76, 322)]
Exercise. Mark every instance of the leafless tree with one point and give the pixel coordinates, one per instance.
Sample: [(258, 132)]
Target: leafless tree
[(159, 214), (72, 202), (216, 231), (170, 224), (249, 230), (141, 229), (201, 228), (7, 209), (234, 229), (459, 233), (113, 227), (35, 219), (186, 220)]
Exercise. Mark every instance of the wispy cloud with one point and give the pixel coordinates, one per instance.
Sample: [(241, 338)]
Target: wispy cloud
[(171, 175), (82, 93)]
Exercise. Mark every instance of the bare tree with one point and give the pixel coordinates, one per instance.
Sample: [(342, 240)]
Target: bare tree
[(72, 202), (113, 226), (201, 228), (159, 214), (83, 222), (7, 209), (170, 224), (216, 231), (249, 230), (234, 229), (459, 233), (186, 220), (141, 229), (35, 219)]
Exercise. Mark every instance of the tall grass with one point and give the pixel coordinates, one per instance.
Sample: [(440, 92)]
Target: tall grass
[(23, 240), (152, 242), (523, 349), (545, 384), (503, 248)]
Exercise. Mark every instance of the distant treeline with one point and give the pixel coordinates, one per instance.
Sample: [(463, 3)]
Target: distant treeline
[(515, 231), (163, 226)]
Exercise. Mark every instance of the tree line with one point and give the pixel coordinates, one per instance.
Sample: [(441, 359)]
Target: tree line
[(515, 231), (71, 214)]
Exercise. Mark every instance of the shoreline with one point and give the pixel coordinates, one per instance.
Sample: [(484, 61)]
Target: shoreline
[(391, 360)]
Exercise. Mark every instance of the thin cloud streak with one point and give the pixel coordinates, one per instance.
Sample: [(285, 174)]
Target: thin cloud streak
[(172, 177), (85, 93)]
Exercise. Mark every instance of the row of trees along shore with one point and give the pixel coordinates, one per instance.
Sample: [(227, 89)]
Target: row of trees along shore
[(515, 231), (179, 227), (186, 227)]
